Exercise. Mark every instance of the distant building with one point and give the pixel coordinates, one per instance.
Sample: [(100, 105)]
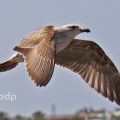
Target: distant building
[(83, 114), (116, 114)]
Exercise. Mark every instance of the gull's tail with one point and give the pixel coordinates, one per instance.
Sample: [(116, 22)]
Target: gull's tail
[(11, 63)]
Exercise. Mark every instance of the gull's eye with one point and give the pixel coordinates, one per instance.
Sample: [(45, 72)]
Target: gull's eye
[(72, 27)]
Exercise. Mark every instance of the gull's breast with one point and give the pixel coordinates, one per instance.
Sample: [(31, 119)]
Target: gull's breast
[(62, 40), (62, 43)]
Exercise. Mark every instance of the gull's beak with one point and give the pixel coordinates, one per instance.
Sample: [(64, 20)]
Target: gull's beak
[(84, 30)]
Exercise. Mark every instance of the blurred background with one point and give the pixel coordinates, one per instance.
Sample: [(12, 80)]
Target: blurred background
[(66, 93)]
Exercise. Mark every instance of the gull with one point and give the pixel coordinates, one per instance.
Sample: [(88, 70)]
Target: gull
[(47, 46)]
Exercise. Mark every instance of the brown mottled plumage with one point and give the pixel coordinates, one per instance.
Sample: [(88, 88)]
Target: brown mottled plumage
[(39, 53), (45, 47), (88, 60)]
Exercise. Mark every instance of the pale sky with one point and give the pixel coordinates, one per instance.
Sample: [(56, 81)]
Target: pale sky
[(66, 90)]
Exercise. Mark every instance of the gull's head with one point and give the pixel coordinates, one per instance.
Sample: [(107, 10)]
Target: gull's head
[(74, 29)]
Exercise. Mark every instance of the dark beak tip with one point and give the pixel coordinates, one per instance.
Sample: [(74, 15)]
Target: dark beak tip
[(88, 30), (85, 30)]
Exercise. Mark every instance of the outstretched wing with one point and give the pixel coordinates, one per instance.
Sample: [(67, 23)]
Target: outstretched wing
[(11, 62), (88, 60), (38, 49)]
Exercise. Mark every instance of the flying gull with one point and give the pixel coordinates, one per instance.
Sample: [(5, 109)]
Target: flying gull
[(45, 47)]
